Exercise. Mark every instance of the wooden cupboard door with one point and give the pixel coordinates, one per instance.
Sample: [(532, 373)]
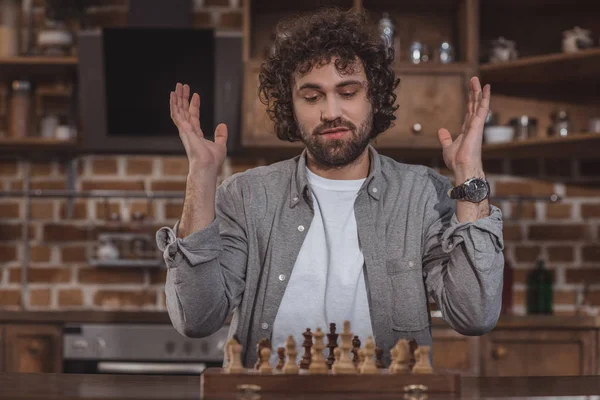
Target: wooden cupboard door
[(33, 348), (455, 353), (428, 100), (535, 352)]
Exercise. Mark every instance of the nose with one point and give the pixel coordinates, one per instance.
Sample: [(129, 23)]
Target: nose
[(331, 109)]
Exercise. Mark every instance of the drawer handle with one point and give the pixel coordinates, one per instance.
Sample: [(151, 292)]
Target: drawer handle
[(499, 352)]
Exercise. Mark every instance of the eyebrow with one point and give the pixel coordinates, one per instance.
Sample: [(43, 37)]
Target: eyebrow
[(339, 85)]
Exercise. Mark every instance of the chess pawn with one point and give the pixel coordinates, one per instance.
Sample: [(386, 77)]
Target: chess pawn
[(400, 357), (265, 366), (422, 364), (290, 366), (318, 365), (281, 356), (368, 364), (235, 365)]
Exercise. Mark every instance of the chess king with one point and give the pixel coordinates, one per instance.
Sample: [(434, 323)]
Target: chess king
[(338, 232)]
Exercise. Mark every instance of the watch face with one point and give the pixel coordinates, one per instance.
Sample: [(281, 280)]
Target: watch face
[(477, 190)]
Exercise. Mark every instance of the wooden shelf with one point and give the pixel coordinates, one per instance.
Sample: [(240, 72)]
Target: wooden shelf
[(553, 69), (582, 145)]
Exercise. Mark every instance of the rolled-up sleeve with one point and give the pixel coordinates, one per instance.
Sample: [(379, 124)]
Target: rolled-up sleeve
[(463, 264)]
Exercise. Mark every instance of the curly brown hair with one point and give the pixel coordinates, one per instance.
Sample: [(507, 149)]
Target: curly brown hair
[(305, 41)]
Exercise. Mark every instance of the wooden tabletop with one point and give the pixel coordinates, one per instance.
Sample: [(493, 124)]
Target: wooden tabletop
[(142, 387)]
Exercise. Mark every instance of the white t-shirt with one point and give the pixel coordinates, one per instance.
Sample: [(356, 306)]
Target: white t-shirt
[(327, 283)]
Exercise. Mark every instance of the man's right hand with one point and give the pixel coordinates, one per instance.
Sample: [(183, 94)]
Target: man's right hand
[(204, 156)]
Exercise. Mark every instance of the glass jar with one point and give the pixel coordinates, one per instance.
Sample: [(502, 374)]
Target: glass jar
[(20, 109)]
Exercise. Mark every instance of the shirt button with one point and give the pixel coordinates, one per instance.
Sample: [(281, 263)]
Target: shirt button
[(265, 326), (301, 228), (374, 190), (282, 277)]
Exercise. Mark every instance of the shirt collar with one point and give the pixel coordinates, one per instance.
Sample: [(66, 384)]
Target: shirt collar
[(299, 187)]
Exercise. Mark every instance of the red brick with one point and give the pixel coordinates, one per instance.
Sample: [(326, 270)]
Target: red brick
[(561, 253), (8, 252), (583, 275), (527, 253), (8, 168), (42, 209), (111, 276), (139, 166), (10, 298), (48, 184), (559, 232), (558, 211), (10, 210), (525, 167), (203, 19), (583, 190), (168, 186), (125, 299), (173, 211), (40, 253), (73, 254), (177, 166), (112, 185), (524, 188), (590, 253), (590, 210), (67, 233), (105, 166), (512, 232), (40, 297), (562, 167), (231, 20), (525, 210), (79, 210), (589, 168), (41, 169), (70, 298)]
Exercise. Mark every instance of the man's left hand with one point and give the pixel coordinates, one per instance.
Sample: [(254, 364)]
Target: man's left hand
[(463, 155)]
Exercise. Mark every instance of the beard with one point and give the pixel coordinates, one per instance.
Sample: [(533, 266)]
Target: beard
[(337, 153)]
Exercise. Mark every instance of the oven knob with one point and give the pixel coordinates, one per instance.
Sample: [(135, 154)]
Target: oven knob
[(204, 348), (170, 347), (187, 348)]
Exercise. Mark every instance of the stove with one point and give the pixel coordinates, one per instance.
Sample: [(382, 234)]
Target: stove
[(139, 349)]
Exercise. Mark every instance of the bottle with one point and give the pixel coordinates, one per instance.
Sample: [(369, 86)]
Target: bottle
[(539, 290)]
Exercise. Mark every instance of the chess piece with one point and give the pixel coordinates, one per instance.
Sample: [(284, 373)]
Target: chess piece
[(265, 365), (423, 364), (290, 366), (264, 342), (281, 356), (355, 348), (307, 344), (379, 358), (235, 365), (400, 357), (343, 363), (368, 364), (318, 365), (331, 344)]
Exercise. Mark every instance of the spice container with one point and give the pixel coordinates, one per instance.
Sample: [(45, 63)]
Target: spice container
[(20, 109)]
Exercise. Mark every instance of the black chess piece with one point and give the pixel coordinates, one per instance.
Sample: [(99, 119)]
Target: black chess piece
[(307, 344), (331, 344)]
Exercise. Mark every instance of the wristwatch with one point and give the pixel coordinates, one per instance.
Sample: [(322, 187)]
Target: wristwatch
[(474, 190)]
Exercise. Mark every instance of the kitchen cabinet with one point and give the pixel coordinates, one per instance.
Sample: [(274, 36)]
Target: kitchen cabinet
[(32, 348)]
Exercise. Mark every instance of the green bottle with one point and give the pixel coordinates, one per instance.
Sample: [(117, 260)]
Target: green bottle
[(539, 290)]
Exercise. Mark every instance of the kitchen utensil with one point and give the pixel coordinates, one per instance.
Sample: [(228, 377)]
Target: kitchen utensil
[(525, 127), (498, 134)]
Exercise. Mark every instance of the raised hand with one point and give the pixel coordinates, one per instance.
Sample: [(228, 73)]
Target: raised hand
[(463, 155), (203, 154)]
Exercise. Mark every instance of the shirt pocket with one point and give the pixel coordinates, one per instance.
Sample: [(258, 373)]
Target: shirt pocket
[(410, 311)]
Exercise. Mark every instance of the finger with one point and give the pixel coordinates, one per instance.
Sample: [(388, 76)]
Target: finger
[(221, 135), (445, 138), (178, 96), (194, 111), (186, 100)]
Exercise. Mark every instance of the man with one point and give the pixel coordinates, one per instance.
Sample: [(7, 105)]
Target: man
[(339, 232)]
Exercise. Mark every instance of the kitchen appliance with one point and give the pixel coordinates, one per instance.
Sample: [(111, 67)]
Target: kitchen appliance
[(142, 349)]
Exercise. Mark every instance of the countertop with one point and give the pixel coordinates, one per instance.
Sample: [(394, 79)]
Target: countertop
[(133, 387), (161, 317)]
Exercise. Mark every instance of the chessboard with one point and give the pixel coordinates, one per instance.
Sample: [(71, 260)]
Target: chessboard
[(349, 368)]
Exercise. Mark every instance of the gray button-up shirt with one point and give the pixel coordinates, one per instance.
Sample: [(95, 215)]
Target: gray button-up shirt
[(413, 245)]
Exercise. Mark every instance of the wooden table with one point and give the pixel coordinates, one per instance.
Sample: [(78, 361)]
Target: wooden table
[(16, 386)]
